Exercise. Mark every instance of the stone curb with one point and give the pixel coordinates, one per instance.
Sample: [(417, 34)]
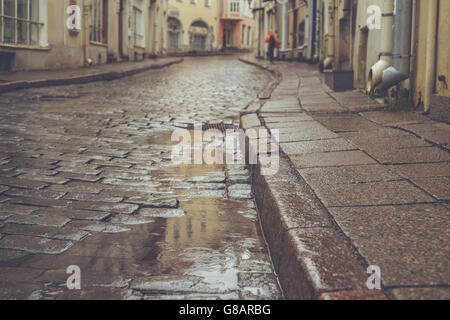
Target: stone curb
[(267, 92), (101, 76), (310, 256)]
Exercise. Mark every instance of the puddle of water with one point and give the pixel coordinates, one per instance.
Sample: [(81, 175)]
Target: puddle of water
[(210, 246)]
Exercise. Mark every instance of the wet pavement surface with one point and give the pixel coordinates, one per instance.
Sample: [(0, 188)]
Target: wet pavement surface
[(86, 179)]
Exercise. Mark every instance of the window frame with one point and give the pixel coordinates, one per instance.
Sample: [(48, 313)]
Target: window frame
[(28, 21), (98, 29)]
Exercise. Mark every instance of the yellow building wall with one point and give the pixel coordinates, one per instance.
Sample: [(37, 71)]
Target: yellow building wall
[(442, 50), (191, 12)]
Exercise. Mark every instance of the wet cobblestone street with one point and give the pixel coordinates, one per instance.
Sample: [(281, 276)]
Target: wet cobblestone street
[(86, 179)]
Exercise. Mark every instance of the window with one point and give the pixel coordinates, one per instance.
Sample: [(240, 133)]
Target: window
[(19, 23), (193, 1), (249, 35), (301, 33), (207, 3), (243, 35), (138, 27), (99, 21), (234, 6)]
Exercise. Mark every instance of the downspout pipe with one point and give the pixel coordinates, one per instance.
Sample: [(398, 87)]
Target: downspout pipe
[(385, 61), (430, 68), (331, 35), (401, 46), (86, 36)]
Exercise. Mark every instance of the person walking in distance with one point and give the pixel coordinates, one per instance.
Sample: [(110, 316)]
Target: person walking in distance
[(273, 42)]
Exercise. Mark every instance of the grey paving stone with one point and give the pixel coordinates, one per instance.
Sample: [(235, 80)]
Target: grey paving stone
[(256, 285), (75, 214), (391, 143), (250, 121), (394, 118), (238, 179), (437, 136), (346, 123), (97, 226), (207, 179), (105, 206), (370, 194), (294, 148), (41, 219), (408, 242), (22, 183), (3, 189), (130, 220), (11, 255), (423, 169), (324, 258), (43, 193), (210, 186), (44, 231), (414, 155), (329, 159), (8, 209), (274, 119), (161, 212), (347, 174), (439, 187), (240, 194), (79, 177), (34, 244), (40, 202), (323, 134), (92, 197), (420, 293), (50, 179)]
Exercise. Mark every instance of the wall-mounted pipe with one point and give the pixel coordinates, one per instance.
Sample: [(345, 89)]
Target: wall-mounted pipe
[(385, 61), (430, 68), (86, 32), (331, 35), (401, 46)]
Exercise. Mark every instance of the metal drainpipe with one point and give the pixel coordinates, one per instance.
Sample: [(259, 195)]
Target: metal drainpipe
[(430, 69), (401, 43), (376, 72), (86, 11), (331, 35)]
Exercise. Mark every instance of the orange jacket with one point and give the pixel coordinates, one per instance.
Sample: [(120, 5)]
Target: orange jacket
[(270, 35)]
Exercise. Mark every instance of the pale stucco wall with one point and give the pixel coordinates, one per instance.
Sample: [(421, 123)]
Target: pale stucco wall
[(189, 13)]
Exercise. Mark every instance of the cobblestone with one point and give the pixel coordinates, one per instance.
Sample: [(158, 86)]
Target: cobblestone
[(88, 179)]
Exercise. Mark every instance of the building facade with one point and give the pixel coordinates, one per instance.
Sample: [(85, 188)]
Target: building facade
[(395, 48), (236, 24), (192, 25), (49, 34)]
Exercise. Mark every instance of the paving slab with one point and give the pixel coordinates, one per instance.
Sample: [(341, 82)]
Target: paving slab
[(268, 119), (295, 148), (390, 118), (250, 121), (319, 134), (387, 155), (439, 187), (348, 175), (329, 159), (342, 123), (441, 169), (34, 244), (420, 293), (406, 242), (44, 231), (370, 194)]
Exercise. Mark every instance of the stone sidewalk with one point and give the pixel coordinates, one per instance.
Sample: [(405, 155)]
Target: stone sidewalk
[(10, 81), (358, 185)]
